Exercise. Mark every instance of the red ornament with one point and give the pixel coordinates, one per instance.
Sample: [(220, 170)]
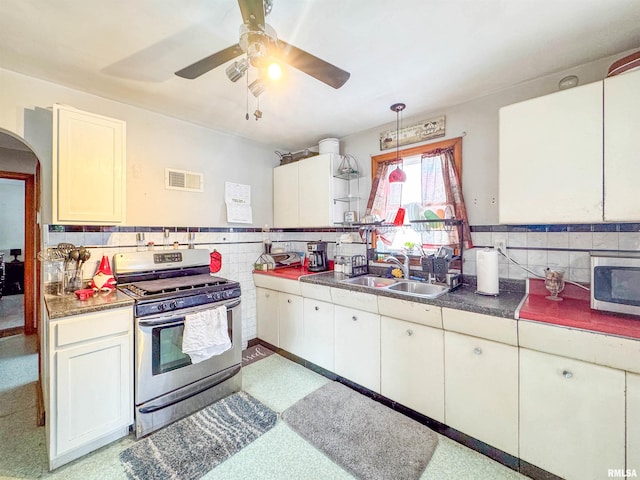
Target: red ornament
[(397, 176), (103, 279)]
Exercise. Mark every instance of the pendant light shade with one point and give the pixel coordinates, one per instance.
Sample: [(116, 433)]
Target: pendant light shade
[(398, 175)]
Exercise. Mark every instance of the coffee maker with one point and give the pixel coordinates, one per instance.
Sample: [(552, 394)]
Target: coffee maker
[(317, 253)]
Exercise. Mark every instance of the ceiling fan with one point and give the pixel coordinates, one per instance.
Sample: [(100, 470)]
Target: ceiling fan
[(259, 42)]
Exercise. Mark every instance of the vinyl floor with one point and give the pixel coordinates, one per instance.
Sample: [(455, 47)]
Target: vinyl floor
[(278, 454)]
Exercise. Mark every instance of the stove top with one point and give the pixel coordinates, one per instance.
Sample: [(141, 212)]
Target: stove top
[(171, 280)]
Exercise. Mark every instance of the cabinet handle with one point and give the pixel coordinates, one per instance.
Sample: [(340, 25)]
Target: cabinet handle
[(477, 351), (409, 332), (317, 308), (354, 318), (567, 374), (268, 295), (289, 301)]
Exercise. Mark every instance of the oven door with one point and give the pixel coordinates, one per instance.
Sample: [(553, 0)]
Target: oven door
[(161, 367)]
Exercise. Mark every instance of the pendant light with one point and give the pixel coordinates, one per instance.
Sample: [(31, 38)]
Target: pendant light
[(398, 175)]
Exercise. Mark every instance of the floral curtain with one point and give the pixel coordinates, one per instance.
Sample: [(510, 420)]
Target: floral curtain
[(442, 195)]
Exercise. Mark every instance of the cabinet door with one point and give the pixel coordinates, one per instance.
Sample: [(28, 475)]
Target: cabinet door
[(621, 147), (550, 158), (94, 394), (633, 421), (357, 346), (291, 335), (318, 332), (412, 368), (315, 191), (267, 315), (286, 207), (88, 171), (481, 389), (572, 420)]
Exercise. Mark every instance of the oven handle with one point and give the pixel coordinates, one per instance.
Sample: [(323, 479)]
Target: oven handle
[(167, 320)]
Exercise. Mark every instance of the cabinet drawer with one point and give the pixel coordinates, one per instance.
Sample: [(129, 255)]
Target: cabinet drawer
[(358, 300), (317, 292), (499, 329), (415, 312), (276, 283), (599, 348), (93, 325)]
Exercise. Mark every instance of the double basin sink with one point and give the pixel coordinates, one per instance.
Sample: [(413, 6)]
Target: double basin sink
[(399, 285)]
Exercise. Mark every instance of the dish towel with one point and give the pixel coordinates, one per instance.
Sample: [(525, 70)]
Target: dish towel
[(205, 334)]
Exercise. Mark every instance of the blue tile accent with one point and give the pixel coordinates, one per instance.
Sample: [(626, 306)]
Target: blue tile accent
[(579, 228), (481, 228), (629, 227), (605, 227), (557, 228), (518, 228)]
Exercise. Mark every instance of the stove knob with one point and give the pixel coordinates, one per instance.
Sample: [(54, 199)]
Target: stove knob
[(218, 295), (173, 305), (161, 307), (228, 294)]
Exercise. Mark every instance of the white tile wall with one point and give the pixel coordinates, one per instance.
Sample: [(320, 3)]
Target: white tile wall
[(565, 251)]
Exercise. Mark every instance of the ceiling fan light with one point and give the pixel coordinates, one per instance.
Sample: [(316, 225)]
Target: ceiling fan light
[(236, 70), (257, 87), (274, 70)]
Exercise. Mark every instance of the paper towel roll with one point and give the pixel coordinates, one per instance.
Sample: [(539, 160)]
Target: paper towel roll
[(487, 271)]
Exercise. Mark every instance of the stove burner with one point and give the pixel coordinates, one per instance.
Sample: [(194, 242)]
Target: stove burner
[(175, 284)]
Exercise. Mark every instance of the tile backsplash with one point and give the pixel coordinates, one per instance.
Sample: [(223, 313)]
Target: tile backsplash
[(559, 247), (536, 247)]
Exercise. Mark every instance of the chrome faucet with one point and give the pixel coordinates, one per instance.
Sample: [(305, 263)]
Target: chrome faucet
[(404, 266)]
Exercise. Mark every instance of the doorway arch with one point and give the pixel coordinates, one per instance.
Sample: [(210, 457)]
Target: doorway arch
[(18, 161)]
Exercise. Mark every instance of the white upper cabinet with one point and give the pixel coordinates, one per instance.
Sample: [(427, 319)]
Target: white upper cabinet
[(622, 147), (88, 168), (550, 158), (304, 192)]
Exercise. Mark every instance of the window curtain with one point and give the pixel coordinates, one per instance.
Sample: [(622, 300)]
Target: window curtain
[(442, 197)]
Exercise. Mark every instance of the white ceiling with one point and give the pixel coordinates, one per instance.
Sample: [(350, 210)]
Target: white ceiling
[(428, 54)]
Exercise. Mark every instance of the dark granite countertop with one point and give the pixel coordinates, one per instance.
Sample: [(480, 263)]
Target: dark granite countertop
[(463, 298), (59, 306)]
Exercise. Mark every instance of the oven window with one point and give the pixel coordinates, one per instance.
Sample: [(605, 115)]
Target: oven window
[(167, 349), (167, 346)]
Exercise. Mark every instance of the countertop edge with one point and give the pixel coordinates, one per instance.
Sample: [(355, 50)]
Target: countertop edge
[(69, 305)]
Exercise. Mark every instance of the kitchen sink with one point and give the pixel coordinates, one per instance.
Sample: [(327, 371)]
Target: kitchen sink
[(427, 290), (370, 281), (397, 285)]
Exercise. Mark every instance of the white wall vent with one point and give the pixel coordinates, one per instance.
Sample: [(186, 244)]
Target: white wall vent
[(182, 180)]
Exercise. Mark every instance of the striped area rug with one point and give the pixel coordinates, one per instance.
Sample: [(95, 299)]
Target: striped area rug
[(193, 446)]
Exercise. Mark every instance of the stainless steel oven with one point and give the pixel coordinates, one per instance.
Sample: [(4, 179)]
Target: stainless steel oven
[(168, 287)]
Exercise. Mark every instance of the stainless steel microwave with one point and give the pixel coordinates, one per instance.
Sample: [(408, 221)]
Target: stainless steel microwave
[(615, 283)]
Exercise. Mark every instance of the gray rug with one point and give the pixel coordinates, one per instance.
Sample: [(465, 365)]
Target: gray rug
[(191, 447), (364, 437)]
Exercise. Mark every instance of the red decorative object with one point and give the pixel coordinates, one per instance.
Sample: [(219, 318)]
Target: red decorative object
[(399, 220), (397, 176), (215, 261), (103, 280)]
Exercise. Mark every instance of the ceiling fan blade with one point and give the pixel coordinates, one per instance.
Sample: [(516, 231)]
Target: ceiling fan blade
[(252, 13), (311, 65), (209, 63)]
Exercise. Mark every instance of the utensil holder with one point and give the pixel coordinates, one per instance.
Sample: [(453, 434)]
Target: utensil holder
[(72, 280)]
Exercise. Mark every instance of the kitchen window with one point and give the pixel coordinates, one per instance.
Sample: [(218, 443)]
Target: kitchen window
[(432, 190)]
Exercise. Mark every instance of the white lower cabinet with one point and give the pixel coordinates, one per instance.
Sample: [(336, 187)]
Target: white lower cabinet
[(90, 398), (412, 366), (290, 331), (357, 346), (267, 315), (481, 389), (318, 328), (572, 416), (633, 422)]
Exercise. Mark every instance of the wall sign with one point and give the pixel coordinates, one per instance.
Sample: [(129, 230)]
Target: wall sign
[(425, 130)]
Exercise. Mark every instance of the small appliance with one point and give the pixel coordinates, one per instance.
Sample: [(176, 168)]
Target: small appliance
[(317, 253), (615, 283)]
